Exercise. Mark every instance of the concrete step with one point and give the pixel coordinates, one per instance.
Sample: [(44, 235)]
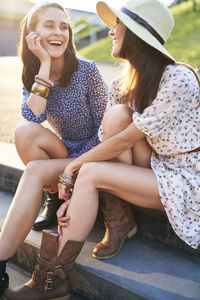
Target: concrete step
[(142, 270), (153, 225), (11, 167)]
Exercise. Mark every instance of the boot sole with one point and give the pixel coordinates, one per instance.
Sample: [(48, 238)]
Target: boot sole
[(58, 298), (62, 298), (129, 235)]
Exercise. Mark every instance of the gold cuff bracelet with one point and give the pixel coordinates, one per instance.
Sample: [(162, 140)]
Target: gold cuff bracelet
[(40, 90)]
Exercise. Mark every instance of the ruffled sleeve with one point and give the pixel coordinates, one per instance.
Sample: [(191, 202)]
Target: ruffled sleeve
[(178, 95), (114, 94)]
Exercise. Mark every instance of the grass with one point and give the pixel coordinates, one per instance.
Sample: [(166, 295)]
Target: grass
[(99, 51), (183, 44)]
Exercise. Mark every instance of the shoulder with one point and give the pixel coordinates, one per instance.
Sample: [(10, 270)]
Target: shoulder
[(115, 84), (86, 64), (178, 73)]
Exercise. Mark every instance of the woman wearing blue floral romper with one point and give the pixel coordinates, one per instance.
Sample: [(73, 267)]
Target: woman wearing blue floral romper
[(75, 105)]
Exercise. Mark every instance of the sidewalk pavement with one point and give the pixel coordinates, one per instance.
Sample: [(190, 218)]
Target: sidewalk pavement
[(9, 156), (109, 71)]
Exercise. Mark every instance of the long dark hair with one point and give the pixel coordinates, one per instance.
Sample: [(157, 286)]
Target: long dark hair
[(31, 63), (142, 75)]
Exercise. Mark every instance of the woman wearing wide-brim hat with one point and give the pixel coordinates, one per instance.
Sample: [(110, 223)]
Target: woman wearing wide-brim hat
[(158, 102)]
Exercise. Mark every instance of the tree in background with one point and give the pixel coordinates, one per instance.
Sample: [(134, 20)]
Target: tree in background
[(194, 5)]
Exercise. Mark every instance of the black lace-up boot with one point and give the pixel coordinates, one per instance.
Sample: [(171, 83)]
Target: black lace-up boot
[(48, 217)]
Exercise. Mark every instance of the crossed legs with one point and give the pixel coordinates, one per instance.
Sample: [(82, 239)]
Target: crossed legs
[(134, 184)]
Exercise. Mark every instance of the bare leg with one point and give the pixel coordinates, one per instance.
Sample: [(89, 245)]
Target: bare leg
[(122, 116), (34, 142), (137, 185), (85, 195), (117, 119), (82, 211), (120, 179), (26, 205)]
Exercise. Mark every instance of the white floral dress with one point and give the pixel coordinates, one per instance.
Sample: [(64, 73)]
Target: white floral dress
[(172, 127)]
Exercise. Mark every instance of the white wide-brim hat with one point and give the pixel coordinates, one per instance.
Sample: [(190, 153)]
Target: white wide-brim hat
[(150, 20)]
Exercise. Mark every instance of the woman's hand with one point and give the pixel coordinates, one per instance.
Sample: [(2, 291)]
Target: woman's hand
[(72, 168), (63, 220), (64, 191), (34, 44)]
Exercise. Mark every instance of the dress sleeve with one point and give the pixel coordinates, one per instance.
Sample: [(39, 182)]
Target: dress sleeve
[(175, 98), (27, 112), (114, 94), (98, 95)]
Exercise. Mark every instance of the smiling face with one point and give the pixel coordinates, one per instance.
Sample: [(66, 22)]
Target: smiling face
[(117, 33), (52, 26)]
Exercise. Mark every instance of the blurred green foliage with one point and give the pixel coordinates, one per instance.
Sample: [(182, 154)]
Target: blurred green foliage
[(183, 43)]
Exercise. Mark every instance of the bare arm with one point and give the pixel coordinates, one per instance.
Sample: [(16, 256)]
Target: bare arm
[(36, 103), (108, 149)]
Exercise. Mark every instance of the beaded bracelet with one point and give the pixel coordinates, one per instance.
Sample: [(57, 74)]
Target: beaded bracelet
[(45, 81), (42, 82), (69, 185), (67, 178)]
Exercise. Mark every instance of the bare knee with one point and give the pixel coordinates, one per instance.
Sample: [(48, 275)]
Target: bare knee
[(35, 171), (31, 171), (26, 131), (116, 119), (87, 174)]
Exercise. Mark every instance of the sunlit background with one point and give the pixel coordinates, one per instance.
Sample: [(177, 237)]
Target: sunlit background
[(89, 5), (92, 42), (82, 14)]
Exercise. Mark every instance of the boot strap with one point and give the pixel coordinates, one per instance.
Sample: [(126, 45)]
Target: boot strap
[(54, 267), (47, 278)]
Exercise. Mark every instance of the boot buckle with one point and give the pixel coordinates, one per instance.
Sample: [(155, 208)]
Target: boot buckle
[(57, 268), (49, 282), (59, 271)]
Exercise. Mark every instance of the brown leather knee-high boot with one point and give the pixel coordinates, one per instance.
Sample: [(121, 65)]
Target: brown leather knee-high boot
[(120, 224), (49, 280)]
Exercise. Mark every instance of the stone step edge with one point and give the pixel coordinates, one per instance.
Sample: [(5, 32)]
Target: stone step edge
[(9, 177)]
